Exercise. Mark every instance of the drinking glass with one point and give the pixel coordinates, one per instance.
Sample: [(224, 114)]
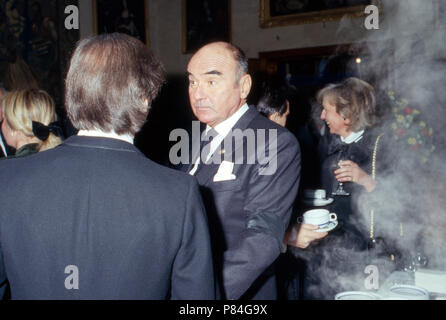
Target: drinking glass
[(335, 166)]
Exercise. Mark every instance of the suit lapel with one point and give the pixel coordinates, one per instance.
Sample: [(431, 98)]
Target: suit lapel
[(205, 172)]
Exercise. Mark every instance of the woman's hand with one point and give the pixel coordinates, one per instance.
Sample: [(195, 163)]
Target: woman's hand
[(301, 235), (351, 172)]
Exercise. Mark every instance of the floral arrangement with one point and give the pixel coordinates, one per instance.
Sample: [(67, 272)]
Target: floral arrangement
[(409, 128)]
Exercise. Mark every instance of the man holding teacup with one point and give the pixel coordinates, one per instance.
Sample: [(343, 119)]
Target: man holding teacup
[(309, 229), (311, 226)]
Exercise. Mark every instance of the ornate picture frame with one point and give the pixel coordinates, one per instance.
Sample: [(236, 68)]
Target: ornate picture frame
[(126, 16), (204, 21), (275, 13)]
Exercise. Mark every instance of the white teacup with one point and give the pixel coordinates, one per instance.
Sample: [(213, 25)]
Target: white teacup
[(319, 217), (315, 194)]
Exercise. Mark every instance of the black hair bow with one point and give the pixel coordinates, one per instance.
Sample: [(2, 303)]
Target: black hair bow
[(42, 131)]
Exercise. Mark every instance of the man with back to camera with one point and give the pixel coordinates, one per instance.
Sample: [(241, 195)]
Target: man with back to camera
[(248, 204), (93, 218)]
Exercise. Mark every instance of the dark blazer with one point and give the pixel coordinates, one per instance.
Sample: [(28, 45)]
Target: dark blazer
[(132, 228), (249, 214)]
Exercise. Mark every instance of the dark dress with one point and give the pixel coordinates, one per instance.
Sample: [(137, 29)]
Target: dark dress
[(332, 263), (24, 151)]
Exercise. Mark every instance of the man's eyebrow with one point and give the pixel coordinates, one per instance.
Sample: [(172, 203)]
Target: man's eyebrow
[(212, 72), (218, 73)]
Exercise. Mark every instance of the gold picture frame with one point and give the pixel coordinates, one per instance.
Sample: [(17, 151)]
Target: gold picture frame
[(138, 9), (215, 27), (268, 20)]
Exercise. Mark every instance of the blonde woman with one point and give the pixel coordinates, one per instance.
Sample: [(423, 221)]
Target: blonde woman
[(28, 121)]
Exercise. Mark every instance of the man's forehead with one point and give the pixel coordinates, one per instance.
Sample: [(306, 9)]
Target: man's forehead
[(212, 61)]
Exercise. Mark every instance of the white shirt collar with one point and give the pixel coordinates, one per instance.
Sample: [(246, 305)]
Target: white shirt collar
[(97, 133), (353, 137), (224, 127)]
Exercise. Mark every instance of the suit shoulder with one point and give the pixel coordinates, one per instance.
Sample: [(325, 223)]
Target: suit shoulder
[(172, 176), (261, 122)]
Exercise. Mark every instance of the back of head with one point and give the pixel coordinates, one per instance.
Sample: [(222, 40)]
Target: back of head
[(21, 108), (111, 83), (273, 98), (354, 99)]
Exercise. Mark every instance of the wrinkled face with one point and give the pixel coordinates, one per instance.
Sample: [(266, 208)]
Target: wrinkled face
[(214, 93), (334, 120)]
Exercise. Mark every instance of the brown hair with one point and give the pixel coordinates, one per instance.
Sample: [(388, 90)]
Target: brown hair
[(21, 107), (354, 99), (109, 79)]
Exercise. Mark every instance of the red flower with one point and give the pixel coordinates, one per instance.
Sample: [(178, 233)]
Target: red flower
[(400, 132), (425, 132), (408, 110), (414, 147)]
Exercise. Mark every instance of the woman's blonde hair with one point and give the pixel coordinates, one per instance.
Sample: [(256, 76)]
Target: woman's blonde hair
[(354, 99), (20, 108)]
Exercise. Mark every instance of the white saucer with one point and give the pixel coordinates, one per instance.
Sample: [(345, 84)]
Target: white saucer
[(357, 295), (318, 202), (331, 225)]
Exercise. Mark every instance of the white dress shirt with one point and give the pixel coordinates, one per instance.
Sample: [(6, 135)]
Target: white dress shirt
[(97, 133), (223, 128)]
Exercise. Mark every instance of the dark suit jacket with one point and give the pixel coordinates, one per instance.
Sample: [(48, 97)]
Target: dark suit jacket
[(248, 215), (133, 229)]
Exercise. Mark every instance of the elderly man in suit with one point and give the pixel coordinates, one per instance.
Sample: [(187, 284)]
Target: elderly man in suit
[(93, 218), (249, 173)]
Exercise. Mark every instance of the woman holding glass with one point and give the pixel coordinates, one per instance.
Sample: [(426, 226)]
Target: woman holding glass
[(347, 171), (348, 111)]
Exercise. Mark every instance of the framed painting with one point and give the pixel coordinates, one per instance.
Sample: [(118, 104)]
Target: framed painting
[(35, 46), (125, 16), (205, 21), (274, 13)]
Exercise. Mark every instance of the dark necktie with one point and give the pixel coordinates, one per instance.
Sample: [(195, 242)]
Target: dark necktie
[(205, 143)]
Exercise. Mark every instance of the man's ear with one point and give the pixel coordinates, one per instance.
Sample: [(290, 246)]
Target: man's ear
[(245, 86)]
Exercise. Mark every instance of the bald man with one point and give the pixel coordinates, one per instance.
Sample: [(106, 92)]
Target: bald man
[(248, 173)]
